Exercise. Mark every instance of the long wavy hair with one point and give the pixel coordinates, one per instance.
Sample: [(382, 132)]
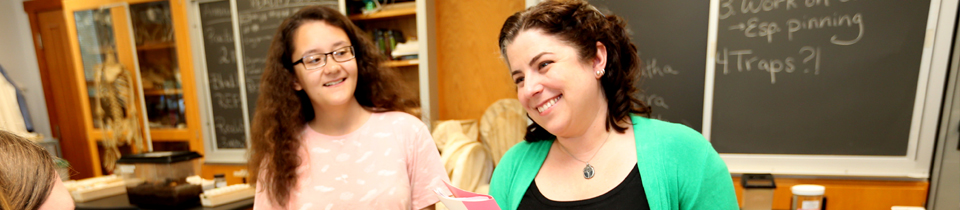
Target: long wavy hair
[(581, 25), (282, 112)]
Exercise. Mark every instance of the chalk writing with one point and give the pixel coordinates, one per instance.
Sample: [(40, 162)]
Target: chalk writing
[(253, 84), (225, 35), (214, 10), (225, 126), (230, 143), (227, 100), (755, 27), (729, 8), (277, 3), (795, 25), (651, 69), (654, 100), (218, 82), (746, 60)]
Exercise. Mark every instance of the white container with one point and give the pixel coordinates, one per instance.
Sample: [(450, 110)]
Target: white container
[(807, 197), (228, 194)]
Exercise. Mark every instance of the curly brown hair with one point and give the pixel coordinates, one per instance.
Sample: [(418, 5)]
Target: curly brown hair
[(282, 112), (581, 25)]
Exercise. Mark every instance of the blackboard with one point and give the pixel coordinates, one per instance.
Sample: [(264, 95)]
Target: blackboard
[(259, 20), (817, 76), (844, 80), (222, 75), (671, 37)]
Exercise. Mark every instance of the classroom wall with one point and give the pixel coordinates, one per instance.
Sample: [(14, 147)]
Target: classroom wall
[(19, 59), (470, 73)]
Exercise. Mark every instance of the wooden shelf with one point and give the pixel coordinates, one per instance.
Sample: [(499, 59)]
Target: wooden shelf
[(156, 134), (389, 11), (402, 63), (160, 92), (169, 134), (156, 46)]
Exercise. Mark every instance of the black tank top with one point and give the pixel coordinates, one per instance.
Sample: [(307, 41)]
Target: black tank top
[(628, 194)]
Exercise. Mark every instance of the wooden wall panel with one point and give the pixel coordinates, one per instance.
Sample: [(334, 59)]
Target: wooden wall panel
[(853, 194), (470, 72)]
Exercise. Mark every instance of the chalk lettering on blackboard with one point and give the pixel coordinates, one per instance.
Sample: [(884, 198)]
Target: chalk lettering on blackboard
[(253, 43), (275, 4), (651, 69), (227, 100), (724, 59), (267, 3), (813, 3), (224, 126), (214, 11), (747, 61), (217, 82), (814, 55), (654, 100), (728, 7), (253, 84), (227, 56), (794, 25), (230, 143), (748, 6), (254, 65), (222, 37), (756, 28)]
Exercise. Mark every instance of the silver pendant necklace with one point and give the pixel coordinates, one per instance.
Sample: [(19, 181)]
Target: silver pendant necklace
[(588, 170)]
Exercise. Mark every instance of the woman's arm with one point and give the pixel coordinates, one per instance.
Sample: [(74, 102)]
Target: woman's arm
[(707, 183)]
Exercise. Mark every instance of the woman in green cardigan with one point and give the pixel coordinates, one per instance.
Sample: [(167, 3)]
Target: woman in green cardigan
[(589, 146)]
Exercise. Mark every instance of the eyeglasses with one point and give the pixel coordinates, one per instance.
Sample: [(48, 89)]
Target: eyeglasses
[(315, 61)]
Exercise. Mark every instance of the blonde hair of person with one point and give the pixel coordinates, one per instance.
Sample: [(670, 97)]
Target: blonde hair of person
[(27, 173)]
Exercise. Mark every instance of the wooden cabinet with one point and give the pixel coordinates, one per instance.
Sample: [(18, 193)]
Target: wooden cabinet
[(133, 72), (415, 20)]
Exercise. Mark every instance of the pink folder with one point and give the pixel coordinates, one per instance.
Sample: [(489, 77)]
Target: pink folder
[(463, 200)]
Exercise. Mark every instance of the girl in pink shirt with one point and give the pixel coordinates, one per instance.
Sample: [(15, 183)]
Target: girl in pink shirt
[(330, 130)]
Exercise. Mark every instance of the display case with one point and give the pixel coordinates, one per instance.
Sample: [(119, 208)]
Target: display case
[(133, 69)]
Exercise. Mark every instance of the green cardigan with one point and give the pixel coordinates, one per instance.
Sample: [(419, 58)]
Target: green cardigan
[(679, 169)]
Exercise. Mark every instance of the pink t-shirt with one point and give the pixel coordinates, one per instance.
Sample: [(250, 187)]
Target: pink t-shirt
[(390, 162)]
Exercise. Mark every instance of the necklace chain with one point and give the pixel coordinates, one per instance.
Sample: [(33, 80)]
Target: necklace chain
[(591, 157)]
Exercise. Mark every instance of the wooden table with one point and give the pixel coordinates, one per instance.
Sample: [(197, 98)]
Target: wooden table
[(120, 202)]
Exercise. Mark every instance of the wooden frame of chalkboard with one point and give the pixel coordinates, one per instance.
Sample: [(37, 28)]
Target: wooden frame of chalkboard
[(923, 117)]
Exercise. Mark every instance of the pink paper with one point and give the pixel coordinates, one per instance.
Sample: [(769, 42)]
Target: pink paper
[(467, 200)]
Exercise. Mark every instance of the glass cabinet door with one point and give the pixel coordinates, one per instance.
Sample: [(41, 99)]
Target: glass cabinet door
[(97, 45), (112, 84), (153, 34), (110, 81)]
